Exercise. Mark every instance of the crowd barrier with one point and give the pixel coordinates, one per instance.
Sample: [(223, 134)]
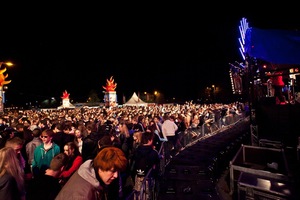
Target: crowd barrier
[(207, 129), (150, 186)]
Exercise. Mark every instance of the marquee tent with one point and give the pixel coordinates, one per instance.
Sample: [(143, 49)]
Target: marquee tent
[(135, 101), (66, 106)]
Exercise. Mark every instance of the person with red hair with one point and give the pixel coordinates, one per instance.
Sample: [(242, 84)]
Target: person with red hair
[(93, 177)]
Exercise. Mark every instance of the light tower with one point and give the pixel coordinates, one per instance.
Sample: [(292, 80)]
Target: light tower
[(110, 96), (3, 82)]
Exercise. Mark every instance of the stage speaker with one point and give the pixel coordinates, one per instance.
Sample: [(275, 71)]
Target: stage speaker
[(297, 83), (268, 100)]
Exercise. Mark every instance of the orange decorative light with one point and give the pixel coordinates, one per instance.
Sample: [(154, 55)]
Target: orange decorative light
[(110, 85), (3, 77)]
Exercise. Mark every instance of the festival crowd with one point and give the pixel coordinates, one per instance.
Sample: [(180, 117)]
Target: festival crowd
[(93, 153)]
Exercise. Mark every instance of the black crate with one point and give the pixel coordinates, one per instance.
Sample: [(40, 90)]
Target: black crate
[(252, 186), (187, 188), (184, 172), (271, 143), (256, 160)]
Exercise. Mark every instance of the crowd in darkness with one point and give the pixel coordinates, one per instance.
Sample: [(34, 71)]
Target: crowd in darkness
[(59, 153)]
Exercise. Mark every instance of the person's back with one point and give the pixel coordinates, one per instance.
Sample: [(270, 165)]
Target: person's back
[(90, 143), (6, 134), (47, 186), (17, 144), (157, 141), (11, 175), (8, 187), (168, 129), (145, 158), (68, 135), (58, 136), (158, 125), (180, 133), (30, 146)]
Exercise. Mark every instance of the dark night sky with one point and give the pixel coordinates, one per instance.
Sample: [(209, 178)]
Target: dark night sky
[(176, 50)]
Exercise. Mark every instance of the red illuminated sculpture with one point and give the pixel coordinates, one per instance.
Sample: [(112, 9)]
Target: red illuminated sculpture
[(110, 85), (65, 95), (3, 77)]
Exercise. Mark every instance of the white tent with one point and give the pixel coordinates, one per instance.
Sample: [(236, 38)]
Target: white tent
[(66, 104), (135, 101)]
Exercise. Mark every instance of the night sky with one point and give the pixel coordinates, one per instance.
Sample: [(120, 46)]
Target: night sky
[(175, 50)]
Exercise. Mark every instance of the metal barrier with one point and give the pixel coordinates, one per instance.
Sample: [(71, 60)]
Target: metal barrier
[(150, 185), (150, 188), (207, 129)]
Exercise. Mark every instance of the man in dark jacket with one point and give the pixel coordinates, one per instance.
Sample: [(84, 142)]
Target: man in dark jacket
[(145, 158), (47, 186), (90, 143)]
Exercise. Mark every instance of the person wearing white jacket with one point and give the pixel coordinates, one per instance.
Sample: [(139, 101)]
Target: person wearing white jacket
[(169, 129)]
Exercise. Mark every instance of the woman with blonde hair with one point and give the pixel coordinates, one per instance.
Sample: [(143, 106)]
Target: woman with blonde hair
[(11, 175)]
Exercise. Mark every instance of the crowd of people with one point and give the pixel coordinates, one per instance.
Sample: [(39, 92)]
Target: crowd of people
[(93, 153)]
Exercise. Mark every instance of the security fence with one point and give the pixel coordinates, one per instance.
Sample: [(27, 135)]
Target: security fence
[(150, 187)]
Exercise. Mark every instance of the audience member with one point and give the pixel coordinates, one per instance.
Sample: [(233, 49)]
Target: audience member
[(156, 140), (68, 132), (106, 140), (30, 147), (78, 140), (168, 129), (12, 186), (6, 134), (44, 124), (58, 136), (17, 144), (139, 123), (158, 125), (145, 158), (90, 143), (44, 153), (47, 186), (126, 139), (3, 124), (25, 134), (180, 132), (74, 161), (93, 176)]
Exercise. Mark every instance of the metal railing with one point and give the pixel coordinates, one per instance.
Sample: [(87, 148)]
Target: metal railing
[(150, 185)]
